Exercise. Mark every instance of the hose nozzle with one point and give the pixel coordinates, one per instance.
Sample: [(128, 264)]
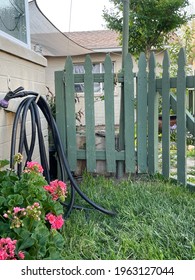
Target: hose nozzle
[(11, 94)]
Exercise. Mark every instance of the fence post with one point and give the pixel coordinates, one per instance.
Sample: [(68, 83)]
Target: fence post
[(142, 115), (181, 118), (166, 117), (152, 118), (70, 115), (109, 115), (129, 119), (89, 116)]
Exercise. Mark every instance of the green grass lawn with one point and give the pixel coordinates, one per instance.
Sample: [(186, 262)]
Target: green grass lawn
[(154, 220)]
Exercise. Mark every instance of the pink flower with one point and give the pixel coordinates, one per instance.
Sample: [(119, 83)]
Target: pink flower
[(55, 221), (57, 189), (36, 204), (17, 209), (33, 166), (7, 249), (59, 221), (50, 217), (21, 255)]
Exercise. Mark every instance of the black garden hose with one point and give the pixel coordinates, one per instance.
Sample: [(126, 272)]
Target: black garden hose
[(32, 103)]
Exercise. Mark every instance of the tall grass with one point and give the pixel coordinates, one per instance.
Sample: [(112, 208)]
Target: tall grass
[(154, 220)]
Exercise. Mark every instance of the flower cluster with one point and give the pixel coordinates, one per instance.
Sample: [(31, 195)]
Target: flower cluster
[(34, 211), (18, 158), (15, 216), (18, 213), (33, 166), (7, 249), (55, 221), (57, 189)]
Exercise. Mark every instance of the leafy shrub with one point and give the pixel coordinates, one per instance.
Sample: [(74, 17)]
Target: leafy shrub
[(31, 218)]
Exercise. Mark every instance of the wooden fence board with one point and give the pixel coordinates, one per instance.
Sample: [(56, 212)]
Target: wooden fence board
[(89, 116), (70, 115), (166, 117), (129, 119), (109, 115), (152, 118), (142, 116), (60, 107), (181, 119)]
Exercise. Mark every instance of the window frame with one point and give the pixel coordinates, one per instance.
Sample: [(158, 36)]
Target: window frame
[(12, 38), (96, 93)]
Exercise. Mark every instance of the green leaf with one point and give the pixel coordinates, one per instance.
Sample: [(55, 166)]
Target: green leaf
[(25, 243), (22, 232), (15, 200), (4, 228), (2, 200), (54, 254), (57, 240), (3, 163)]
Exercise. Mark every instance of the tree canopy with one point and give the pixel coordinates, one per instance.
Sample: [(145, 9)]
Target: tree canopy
[(150, 21)]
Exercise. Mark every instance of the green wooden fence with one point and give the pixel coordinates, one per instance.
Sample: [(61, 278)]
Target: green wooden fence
[(140, 132)]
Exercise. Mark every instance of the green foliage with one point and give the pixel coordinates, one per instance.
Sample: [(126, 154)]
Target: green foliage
[(182, 38), (24, 204), (150, 21)]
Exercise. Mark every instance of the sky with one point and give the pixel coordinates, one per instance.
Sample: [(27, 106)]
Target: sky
[(81, 15)]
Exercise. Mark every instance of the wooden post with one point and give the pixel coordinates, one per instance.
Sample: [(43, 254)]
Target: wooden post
[(120, 167)]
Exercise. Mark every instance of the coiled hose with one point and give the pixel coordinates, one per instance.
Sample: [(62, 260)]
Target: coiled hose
[(32, 104)]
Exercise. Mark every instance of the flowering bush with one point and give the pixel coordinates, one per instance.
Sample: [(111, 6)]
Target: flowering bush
[(31, 215)]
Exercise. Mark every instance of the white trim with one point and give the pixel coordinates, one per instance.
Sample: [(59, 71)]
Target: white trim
[(108, 50), (12, 38), (27, 15)]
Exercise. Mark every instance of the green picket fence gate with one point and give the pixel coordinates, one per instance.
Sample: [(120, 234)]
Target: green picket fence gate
[(140, 154)]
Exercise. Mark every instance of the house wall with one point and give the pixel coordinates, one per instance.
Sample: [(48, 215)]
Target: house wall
[(19, 66), (58, 64)]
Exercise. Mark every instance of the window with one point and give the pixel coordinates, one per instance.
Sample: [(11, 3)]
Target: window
[(14, 20), (97, 68)]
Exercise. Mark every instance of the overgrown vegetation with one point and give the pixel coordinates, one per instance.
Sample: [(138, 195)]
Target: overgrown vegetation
[(155, 220)]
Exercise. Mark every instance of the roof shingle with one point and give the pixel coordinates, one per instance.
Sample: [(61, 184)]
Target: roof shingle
[(99, 39)]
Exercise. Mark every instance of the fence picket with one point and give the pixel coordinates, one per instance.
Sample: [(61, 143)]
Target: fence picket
[(109, 115), (181, 118), (166, 117), (89, 116), (142, 115), (70, 115), (60, 105), (152, 118), (129, 119)]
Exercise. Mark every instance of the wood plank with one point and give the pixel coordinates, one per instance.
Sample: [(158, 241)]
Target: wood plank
[(152, 118), (109, 115), (100, 154), (166, 117), (181, 118), (89, 116), (70, 114), (129, 119), (60, 106), (142, 115)]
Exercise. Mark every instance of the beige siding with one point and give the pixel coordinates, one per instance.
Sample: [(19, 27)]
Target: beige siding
[(19, 66)]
